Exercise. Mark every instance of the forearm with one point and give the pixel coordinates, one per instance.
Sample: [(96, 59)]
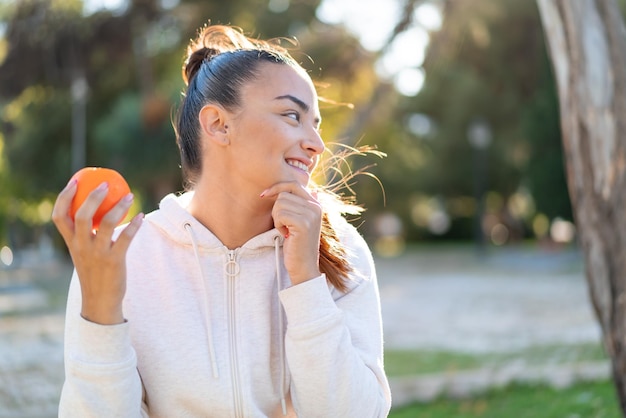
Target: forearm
[(101, 377), (336, 368)]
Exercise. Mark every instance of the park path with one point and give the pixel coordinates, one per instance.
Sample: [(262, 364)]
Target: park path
[(506, 300), (448, 299)]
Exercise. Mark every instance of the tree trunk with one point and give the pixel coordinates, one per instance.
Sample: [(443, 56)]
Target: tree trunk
[(587, 44)]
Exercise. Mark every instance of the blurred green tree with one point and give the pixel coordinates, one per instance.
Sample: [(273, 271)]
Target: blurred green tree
[(481, 65), (487, 63), (545, 171), (127, 62)]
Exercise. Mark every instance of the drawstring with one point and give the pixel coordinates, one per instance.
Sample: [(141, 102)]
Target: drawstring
[(281, 325), (207, 313), (281, 343)]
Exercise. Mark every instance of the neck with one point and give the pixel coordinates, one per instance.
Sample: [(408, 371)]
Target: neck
[(234, 218)]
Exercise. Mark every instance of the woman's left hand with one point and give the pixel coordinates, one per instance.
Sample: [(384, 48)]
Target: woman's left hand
[(298, 216)]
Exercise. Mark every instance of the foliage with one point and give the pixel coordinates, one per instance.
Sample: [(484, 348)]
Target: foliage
[(482, 63), (135, 129), (131, 60), (545, 172)]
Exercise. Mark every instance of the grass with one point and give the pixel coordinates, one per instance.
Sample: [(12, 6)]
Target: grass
[(583, 400), (415, 362)]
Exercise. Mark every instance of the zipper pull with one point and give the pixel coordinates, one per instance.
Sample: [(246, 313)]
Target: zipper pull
[(231, 268)]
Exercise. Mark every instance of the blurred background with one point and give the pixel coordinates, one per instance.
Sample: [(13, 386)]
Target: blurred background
[(459, 95)]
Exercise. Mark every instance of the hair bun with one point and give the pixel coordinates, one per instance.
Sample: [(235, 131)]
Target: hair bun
[(194, 61)]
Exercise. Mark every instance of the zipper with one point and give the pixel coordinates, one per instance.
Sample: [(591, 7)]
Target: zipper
[(232, 271)]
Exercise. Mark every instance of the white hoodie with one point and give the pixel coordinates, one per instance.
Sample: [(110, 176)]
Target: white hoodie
[(213, 332)]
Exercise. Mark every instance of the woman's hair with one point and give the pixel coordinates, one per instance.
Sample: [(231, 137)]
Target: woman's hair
[(219, 62)]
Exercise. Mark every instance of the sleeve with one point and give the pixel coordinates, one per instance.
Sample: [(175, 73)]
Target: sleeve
[(101, 377), (334, 348)]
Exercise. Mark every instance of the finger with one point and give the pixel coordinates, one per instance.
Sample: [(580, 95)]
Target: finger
[(292, 219), (292, 187), (112, 219), (281, 223), (83, 219), (295, 221), (297, 204), (128, 233), (116, 214), (279, 215), (60, 212)]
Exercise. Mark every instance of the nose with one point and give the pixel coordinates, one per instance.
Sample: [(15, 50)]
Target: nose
[(314, 143)]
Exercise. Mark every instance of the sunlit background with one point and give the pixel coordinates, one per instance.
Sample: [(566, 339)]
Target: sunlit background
[(459, 97)]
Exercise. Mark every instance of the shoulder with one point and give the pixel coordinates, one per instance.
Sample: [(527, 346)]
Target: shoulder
[(347, 233), (357, 250), (167, 221)]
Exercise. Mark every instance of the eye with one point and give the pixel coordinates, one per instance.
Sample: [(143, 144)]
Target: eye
[(293, 115)]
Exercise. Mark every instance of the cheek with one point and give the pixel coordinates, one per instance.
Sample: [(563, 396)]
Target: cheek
[(274, 139), (262, 141), (259, 131)]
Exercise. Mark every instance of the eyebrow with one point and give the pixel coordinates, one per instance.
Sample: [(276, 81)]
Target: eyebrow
[(303, 106)]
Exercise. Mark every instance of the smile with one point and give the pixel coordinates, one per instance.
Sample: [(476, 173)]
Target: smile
[(298, 164)]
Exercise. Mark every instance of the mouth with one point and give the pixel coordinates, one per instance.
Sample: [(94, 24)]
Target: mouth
[(299, 165)]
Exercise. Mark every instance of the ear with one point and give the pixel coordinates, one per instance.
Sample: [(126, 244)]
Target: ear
[(213, 120)]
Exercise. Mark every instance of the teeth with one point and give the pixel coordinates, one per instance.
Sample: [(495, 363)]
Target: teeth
[(298, 164)]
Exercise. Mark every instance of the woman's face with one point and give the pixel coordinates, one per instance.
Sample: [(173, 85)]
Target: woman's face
[(274, 136)]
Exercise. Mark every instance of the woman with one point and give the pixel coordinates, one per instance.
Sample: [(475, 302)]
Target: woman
[(243, 297)]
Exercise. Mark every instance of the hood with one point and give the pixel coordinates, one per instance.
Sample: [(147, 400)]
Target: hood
[(174, 219)]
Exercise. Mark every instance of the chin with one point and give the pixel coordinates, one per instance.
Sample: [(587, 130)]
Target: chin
[(304, 182), (302, 179)]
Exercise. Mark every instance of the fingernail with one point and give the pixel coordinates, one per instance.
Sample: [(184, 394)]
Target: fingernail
[(263, 193), (128, 198), (103, 186)]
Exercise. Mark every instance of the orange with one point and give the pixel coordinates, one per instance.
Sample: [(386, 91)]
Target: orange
[(91, 177)]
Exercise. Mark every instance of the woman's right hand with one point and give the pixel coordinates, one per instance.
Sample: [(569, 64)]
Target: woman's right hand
[(100, 261)]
